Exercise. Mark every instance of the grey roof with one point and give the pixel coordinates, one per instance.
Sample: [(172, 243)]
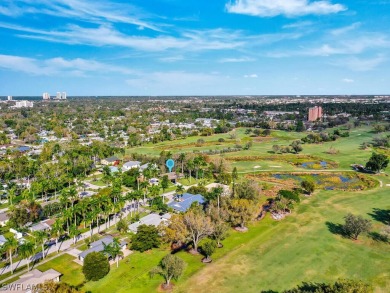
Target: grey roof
[(32, 279), (112, 159), (2, 240), (4, 217), (40, 227), (131, 164), (98, 246), (151, 219)]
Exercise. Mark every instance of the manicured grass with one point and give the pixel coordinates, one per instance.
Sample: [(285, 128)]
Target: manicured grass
[(72, 272), (279, 255)]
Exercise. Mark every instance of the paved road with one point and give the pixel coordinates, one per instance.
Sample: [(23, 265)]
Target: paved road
[(67, 244)]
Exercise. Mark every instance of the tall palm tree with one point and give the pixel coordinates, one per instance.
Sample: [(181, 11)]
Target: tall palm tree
[(89, 217), (114, 250), (182, 158), (154, 191), (74, 232), (11, 245), (26, 250), (190, 167), (41, 237), (57, 229)]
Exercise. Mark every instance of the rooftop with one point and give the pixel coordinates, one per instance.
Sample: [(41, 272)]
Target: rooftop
[(185, 201)]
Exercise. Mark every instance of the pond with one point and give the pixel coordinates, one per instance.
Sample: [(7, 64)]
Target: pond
[(327, 181), (315, 165)]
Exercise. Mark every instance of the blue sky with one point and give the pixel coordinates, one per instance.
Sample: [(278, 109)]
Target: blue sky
[(194, 47)]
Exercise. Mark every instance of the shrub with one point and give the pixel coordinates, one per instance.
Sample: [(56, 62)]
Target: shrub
[(147, 237), (96, 266)]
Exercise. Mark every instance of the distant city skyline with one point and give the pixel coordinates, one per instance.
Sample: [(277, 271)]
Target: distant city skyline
[(172, 47)]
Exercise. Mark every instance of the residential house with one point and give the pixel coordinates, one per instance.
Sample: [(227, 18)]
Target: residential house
[(183, 202), (111, 161), (28, 282), (98, 246), (3, 219), (151, 219), (131, 165)]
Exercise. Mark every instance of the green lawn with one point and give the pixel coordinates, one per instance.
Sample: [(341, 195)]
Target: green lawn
[(279, 255), (272, 255), (72, 272)]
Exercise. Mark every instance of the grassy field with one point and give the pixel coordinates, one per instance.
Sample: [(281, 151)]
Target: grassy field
[(64, 264), (273, 255), (279, 255)]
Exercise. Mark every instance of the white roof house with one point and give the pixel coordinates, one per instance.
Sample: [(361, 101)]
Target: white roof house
[(29, 281), (130, 165), (151, 219)]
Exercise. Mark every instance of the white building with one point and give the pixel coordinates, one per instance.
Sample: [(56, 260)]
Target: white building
[(9, 98), (58, 96), (23, 104), (63, 96), (46, 96)]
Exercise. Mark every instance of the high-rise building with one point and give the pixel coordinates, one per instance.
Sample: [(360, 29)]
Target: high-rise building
[(22, 104), (63, 96), (58, 96), (9, 98), (46, 96), (315, 113)]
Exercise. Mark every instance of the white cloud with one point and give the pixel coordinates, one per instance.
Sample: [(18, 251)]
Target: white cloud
[(360, 64), (172, 59), (236, 60), (82, 10), (299, 24), (251, 75), (57, 66), (348, 80), (175, 82), (290, 8), (346, 29)]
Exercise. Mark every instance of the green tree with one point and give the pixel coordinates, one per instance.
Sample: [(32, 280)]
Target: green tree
[(340, 286), (147, 237), (241, 212), (122, 226), (208, 248), (377, 162), (114, 250), (355, 225), (170, 267), (296, 146), (247, 189), (96, 266), (220, 232), (26, 250), (308, 186), (41, 237), (10, 246), (164, 182)]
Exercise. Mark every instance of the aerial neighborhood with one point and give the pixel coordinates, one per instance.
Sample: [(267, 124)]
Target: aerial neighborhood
[(108, 198)]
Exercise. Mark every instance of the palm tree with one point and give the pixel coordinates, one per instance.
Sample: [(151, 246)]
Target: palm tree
[(114, 250), (74, 232), (180, 189), (154, 191), (41, 237), (57, 229), (182, 157), (190, 167), (90, 216), (26, 250), (11, 245)]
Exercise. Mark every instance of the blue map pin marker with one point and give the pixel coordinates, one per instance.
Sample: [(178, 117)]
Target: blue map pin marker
[(170, 164)]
